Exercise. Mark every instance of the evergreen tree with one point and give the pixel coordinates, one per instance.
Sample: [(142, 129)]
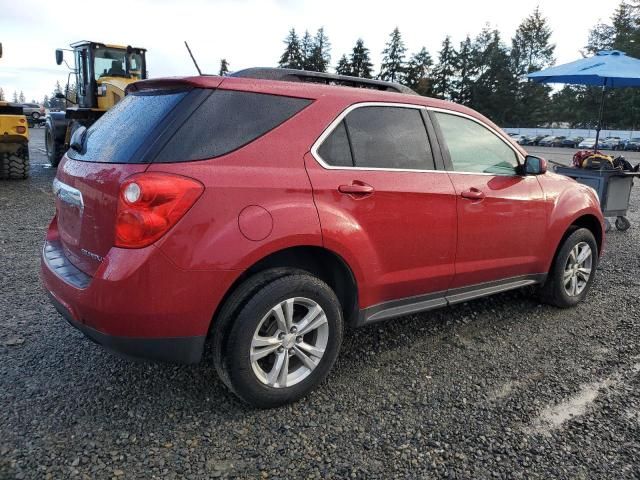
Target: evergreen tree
[(21, 97), (292, 55), (344, 66), (444, 71), (14, 99), (224, 67), (494, 91), (306, 48), (45, 101), (320, 53), (465, 72), (393, 65), (361, 65), (531, 51), (1, 94), (417, 73)]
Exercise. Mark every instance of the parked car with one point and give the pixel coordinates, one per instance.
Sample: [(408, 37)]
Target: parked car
[(33, 110), (589, 143), (551, 141), (633, 144), (264, 216), (612, 143), (532, 139), (571, 142)]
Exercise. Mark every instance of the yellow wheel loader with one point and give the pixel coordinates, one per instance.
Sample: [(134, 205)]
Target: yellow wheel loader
[(14, 141), (102, 72)]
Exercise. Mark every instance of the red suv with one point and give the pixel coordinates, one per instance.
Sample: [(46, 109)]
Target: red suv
[(266, 211)]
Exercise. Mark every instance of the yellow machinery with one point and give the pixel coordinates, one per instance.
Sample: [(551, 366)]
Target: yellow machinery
[(102, 72), (14, 141)]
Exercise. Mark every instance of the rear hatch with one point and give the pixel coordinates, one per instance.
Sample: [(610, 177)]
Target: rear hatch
[(88, 181)]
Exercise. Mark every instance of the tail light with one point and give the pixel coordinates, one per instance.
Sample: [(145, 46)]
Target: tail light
[(21, 129), (149, 204)]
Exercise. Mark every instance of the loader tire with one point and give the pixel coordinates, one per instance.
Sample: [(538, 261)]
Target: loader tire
[(15, 166)]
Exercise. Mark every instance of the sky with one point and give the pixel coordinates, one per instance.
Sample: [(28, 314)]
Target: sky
[(250, 33)]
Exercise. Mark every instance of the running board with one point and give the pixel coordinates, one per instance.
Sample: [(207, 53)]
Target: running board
[(431, 301)]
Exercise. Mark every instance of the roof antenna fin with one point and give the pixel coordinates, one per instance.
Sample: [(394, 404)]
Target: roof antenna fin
[(192, 57)]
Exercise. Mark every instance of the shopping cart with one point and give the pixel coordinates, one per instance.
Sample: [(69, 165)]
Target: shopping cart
[(613, 187)]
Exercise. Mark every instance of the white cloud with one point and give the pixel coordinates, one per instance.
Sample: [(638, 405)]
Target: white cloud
[(250, 32)]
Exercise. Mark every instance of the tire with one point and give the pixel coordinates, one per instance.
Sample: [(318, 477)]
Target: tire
[(35, 115), (15, 166), (260, 382), (53, 147), (556, 291), (622, 223)]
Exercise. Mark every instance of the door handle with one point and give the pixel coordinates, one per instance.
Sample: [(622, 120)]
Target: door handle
[(356, 188), (473, 194)]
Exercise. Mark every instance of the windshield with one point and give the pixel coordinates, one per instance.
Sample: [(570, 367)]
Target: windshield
[(115, 62)]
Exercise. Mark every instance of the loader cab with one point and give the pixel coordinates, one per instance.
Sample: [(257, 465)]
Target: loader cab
[(103, 71)]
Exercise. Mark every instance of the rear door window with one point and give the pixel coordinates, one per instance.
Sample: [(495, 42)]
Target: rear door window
[(390, 138), (226, 121), (120, 133)]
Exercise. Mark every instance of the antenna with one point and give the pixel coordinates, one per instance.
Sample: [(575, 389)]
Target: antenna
[(192, 58)]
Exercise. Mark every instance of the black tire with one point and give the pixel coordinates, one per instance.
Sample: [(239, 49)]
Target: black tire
[(15, 166), (54, 147), (35, 115), (268, 290), (622, 223), (553, 291)]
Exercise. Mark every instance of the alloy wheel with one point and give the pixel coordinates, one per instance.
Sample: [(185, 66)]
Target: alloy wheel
[(289, 342), (578, 268)]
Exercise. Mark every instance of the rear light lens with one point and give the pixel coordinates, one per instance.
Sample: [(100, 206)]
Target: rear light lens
[(149, 204), (21, 129)]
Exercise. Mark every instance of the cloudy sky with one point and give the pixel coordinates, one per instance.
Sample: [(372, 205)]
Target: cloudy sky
[(250, 32)]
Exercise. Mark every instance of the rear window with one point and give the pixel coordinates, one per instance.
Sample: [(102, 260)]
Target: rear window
[(183, 126), (120, 133), (226, 121)]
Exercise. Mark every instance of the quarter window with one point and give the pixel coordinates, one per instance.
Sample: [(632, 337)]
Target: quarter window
[(335, 149), (474, 148)]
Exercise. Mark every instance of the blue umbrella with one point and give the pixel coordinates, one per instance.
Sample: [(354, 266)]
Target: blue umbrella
[(606, 69)]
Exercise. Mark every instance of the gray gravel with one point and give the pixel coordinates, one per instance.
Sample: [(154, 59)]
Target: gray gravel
[(497, 388)]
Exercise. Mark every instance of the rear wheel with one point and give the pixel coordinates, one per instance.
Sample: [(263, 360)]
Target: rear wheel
[(15, 166), (53, 146), (573, 270), (283, 341)]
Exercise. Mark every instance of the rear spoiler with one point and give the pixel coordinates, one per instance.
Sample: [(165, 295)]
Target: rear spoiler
[(174, 83)]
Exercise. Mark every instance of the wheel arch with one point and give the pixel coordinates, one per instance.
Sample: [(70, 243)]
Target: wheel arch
[(319, 261), (588, 221)]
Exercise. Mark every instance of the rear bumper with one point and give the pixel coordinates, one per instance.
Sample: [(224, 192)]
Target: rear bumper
[(138, 303), (174, 350)]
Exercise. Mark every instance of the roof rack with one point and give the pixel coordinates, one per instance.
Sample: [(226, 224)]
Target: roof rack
[(291, 75)]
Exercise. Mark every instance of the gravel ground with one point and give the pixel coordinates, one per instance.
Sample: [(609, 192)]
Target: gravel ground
[(502, 387)]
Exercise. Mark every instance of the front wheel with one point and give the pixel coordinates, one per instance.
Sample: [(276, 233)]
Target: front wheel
[(283, 342), (573, 270)]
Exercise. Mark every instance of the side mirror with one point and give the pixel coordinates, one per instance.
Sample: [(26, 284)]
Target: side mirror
[(77, 139), (59, 56), (534, 165)]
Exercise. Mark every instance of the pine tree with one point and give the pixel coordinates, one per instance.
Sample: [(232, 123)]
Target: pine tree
[(393, 64), (306, 48), (1, 94), (15, 97), (418, 70), (224, 67), (361, 65), (465, 73), (531, 51), (45, 101), (444, 71), (344, 66), (320, 53), (21, 97), (292, 55)]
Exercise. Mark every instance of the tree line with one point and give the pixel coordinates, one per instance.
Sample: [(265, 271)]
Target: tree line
[(483, 71), (489, 74)]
